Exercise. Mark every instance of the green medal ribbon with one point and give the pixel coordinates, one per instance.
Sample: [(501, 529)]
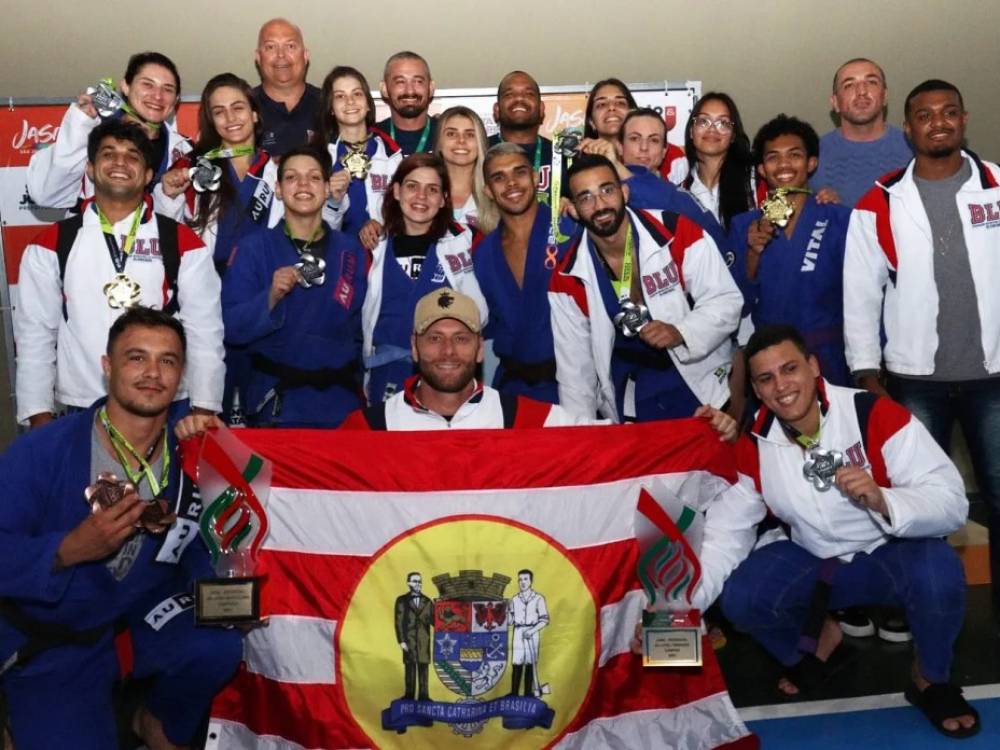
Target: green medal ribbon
[(315, 236), (623, 287), (423, 136), (121, 445), (556, 177), (228, 153), (109, 230)]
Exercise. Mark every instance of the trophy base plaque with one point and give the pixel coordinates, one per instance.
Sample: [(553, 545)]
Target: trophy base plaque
[(671, 639), (227, 601)]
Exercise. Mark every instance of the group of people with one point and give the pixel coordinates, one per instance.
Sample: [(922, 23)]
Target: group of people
[(312, 268)]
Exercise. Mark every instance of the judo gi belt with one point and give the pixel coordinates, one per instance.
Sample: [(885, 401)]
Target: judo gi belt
[(294, 377), (43, 635), (531, 373), (654, 359)]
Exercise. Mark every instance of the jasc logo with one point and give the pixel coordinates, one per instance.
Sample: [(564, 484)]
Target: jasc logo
[(34, 138)]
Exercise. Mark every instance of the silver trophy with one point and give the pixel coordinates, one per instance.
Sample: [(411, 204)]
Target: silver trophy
[(568, 141), (632, 318), (205, 176), (311, 270), (821, 466), (105, 98)]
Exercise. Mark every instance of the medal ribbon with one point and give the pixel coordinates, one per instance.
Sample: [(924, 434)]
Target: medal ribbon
[(423, 136), (120, 255), (122, 445), (305, 248), (127, 109), (228, 153), (623, 287), (556, 177)]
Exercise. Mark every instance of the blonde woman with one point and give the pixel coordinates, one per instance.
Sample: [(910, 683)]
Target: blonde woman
[(461, 142)]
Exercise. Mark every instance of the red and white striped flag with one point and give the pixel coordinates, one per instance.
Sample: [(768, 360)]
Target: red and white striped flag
[(504, 561)]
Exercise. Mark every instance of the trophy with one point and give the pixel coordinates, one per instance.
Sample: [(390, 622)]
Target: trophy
[(105, 98), (667, 532), (821, 466), (233, 526), (631, 318), (205, 176), (311, 270)]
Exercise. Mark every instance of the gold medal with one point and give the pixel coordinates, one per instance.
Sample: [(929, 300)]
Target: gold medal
[(357, 162), (777, 208), (122, 292)]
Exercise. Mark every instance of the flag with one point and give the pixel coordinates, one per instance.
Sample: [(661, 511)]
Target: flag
[(469, 589)]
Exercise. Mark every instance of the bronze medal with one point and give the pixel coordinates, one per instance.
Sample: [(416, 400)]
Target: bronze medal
[(155, 517), (357, 163), (122, 292), (106, 491), (777, 208)]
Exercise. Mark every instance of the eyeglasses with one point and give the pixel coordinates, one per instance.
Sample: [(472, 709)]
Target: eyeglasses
[(723, 127), (586, 200)]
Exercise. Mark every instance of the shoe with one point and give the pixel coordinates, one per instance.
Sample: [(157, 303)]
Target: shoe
[(855, 622), (895, 630)]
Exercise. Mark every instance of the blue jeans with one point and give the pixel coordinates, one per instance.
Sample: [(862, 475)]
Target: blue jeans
[(975, 405), (769, 595)]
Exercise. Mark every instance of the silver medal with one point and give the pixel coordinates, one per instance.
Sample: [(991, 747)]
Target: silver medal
[(632, 318), (311, 270), (821, 466)]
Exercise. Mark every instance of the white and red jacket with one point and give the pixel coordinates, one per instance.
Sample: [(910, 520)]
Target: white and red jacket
[(57, 176), (684, 282), (922, 488), (449, 261), (59, 354), (889, 244), (486, 409)]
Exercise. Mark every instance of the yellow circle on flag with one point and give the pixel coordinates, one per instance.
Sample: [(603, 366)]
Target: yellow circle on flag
[(472, 623)]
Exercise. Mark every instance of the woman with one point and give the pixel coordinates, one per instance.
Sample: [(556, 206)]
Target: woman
[(150, 88), (461, 143), (720, 175), (229, 128), (423, 250), (364, 158), (607, 103), (293, 295)]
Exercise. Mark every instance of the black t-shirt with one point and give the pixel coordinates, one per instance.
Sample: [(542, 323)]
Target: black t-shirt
[(284, 130), (410, 252)]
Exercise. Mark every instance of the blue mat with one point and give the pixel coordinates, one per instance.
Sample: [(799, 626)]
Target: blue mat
[(877, 729)]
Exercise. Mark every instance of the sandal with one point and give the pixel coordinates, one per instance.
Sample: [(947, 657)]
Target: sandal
[(943, 701), (809, 674)]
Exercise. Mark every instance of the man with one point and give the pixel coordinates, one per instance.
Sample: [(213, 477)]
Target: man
[(69, 572), (795, 273), (643, 308), (513, 265), (414, 618), (520, 112), (447, 347), (864, 146), (293, 295), (288, 104), (867, 496), (82, 273), (922, 265), (408, 88), (150, 90), (528, 616)]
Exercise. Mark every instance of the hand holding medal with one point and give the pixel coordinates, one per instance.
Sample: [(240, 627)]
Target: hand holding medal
[(205, 176), (105, 99), (777, 208)]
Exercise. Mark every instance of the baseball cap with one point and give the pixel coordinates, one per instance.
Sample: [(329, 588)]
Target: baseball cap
[(446, 303)]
